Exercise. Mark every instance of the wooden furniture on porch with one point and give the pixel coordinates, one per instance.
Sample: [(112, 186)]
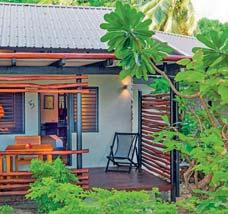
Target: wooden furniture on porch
[(36, 139), (16, 150), (123, 151), (33, 140), (17, 183)]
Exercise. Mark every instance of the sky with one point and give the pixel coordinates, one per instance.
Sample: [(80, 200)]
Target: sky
[(212, 9)]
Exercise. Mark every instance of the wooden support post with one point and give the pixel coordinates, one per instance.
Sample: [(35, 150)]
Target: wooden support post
[(79, 127), (49, 158)]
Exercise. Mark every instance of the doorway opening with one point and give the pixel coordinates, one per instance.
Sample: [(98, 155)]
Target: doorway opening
[(53, 120)]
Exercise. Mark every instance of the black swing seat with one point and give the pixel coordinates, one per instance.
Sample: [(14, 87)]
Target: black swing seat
[(123, 152)]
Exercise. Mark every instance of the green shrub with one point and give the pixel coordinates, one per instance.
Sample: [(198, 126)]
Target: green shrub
[(208, 202), (50, 178), (55, 170), (50, 195), (100, 201), (6, 209), (54, 193)]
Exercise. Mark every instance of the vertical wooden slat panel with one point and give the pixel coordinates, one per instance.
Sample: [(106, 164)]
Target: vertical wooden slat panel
[(153, 107)]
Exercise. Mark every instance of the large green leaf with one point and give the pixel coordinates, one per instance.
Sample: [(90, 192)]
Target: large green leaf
[(189, 76), (128, 35), (215, 54)]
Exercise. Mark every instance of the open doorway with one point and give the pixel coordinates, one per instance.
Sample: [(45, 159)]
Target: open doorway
[(53, 120)]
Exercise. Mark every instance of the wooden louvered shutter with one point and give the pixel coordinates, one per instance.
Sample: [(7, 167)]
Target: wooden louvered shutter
[(13, 120), (89, 110)]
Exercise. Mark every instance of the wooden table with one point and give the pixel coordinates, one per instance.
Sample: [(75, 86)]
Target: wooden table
[(20, 149)]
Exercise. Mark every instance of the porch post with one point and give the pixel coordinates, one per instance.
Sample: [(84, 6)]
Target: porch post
[(71, 124), (79, 127), (140, 129), (174, 155)]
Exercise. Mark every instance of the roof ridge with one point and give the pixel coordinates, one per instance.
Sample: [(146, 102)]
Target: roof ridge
[(55, 6), (175, 34)]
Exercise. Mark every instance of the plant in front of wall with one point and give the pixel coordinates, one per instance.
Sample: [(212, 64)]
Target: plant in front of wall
[(50, 177), (56, 169)]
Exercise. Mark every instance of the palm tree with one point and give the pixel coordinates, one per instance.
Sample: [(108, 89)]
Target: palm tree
[(175, 16)]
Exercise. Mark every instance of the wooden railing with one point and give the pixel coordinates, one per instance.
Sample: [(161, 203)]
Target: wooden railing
[(18, 182)]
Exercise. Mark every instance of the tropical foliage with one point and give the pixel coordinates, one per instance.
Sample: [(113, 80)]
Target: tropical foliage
[(174, 16), (6, 209), (50, 177), (205, 25), (202, 137), (130, 39), (55, 194)]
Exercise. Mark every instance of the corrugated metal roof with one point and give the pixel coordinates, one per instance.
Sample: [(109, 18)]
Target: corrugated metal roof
[(65, 28), (180, 43)]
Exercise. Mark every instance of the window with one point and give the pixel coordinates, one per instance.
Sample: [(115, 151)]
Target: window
[(12, 113), (89, 110)]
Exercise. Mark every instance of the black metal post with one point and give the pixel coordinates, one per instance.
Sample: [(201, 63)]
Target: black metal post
[(79, 127), (177, 154), (175, 174), (70, 123), (174, 155), (140, 129)]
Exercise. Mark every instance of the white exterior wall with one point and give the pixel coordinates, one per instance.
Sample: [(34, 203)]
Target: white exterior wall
[(114, 115)]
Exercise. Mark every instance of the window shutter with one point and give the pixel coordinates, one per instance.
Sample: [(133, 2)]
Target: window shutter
[(13, 119), (89, 110)]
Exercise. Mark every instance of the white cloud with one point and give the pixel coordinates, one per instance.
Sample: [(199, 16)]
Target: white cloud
[(212, 9)]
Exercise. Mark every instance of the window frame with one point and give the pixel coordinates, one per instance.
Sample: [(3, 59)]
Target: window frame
[(97, 113), (22, 131)]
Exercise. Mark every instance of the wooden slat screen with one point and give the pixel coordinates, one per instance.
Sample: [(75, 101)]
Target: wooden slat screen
[(153, 158), (89, 110), (13, 120), (23, 84)]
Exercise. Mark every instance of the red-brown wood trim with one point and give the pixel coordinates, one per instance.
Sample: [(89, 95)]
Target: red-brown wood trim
[(42, 86), (43, 77), (35, 55), (70, 152)]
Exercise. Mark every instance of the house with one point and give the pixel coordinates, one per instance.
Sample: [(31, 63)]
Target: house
[(54, 48)]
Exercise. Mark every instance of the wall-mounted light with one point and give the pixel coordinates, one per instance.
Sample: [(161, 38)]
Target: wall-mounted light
[(125, 89)]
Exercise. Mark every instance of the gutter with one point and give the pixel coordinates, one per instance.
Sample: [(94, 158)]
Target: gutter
[(105, 56)]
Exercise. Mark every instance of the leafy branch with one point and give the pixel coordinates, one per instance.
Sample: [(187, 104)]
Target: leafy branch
[(203, 82)]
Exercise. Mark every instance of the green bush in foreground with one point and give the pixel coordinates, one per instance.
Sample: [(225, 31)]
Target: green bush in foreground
[(99, 201), (54, 193), (68, 198), (49, 178), (6, 209)]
